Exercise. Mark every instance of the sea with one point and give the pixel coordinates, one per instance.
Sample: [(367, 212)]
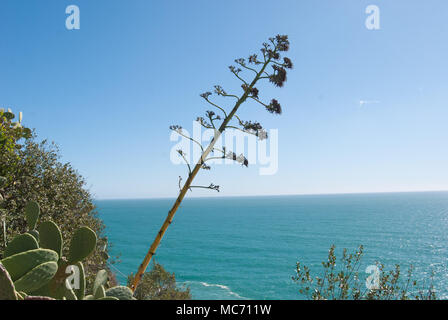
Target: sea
[(248, 247)]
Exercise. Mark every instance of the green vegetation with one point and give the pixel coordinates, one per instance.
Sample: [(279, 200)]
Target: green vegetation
[(158, 284), (31, 171), (340, 280), (36, 186), (34, 269), (10, 133)]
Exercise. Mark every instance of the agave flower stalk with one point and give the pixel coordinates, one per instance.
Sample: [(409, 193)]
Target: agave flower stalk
[(259, 68)]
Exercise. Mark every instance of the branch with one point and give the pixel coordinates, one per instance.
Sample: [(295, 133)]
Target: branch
[(215, 105), (263, 104), (213, 158), (231, 95), (189, 138), (246, 67), (204, 123), (242, 130), (183, 157), (211, 187), (235, 72), (180, 181)]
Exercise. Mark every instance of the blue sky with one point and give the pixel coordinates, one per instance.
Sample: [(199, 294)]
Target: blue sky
[(108, 92)]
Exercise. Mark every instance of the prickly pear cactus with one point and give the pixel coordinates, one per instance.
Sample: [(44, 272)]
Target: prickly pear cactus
[(7, 290), (34, 268)]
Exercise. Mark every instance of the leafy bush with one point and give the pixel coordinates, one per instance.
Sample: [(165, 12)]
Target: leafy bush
[(159, 284), (340, 280)]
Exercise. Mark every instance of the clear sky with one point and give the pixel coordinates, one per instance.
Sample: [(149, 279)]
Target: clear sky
[(107, 93)]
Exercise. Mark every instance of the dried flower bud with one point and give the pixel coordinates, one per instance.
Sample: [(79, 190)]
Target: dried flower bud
[(204, 123), (241, 61), (282, 42), (279, 76), (255, 126), (214, 187), (242, 159), (253, 92), (205, 95), (274, 107), (287, 63), (234, 69), (230, 155), (176, 128), (262, 134), (253, 59), (210, 114), (219, 90), (273, 54)]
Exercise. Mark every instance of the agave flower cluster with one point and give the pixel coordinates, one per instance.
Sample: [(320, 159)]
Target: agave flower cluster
[(269, 65)]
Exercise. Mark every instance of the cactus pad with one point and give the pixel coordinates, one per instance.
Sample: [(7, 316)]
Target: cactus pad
[(7, 290), (32, 212), (100, 280), (120, 292), (35, 234), (21, 243), (50, 237), (99, 293), (82, 245), (37, 278), (19, 264), (70, 295)]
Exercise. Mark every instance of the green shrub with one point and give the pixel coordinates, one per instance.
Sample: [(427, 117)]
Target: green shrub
[(341, 280), (159, 284)]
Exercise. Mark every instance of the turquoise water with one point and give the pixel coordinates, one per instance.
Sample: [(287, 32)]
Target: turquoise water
[(247, 248)]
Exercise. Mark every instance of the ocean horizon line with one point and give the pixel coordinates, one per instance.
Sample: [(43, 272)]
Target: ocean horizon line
[(274, 195)]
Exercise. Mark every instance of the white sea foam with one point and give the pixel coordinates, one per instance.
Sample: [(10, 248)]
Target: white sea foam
[(221, 286)]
